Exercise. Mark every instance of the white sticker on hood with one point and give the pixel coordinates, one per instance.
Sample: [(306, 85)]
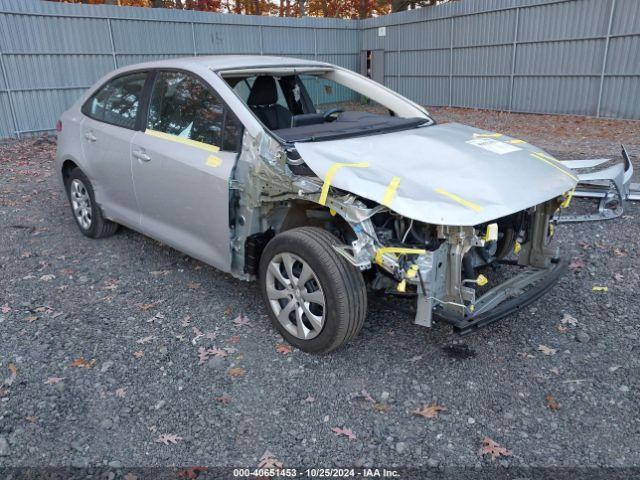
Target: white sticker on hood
[(494, 146)]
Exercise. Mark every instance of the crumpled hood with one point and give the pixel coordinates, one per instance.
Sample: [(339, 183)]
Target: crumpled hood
[(447, 174)]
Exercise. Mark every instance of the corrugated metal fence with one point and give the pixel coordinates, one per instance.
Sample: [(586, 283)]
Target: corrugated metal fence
[(51, 52), (551, 56), (546, 56)]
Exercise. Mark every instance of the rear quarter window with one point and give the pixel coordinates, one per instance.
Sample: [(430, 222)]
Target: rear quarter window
[(117, 102)]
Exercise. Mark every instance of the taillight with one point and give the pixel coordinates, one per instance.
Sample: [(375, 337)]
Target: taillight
[(59, 126)]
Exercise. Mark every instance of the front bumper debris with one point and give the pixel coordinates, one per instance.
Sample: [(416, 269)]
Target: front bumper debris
[(611, 184), (506, 298)]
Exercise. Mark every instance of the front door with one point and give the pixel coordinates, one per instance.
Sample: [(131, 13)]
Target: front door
[(181, 168)]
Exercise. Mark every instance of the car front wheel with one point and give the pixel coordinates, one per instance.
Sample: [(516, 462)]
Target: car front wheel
[(316, 299)]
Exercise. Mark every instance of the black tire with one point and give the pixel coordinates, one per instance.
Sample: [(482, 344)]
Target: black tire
[(345, 295), (99, 227)]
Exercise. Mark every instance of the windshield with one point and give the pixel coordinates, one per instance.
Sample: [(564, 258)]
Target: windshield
[(324, 105)]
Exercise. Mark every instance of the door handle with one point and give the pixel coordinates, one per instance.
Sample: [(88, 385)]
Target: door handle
[(90, 136), (141, 155)]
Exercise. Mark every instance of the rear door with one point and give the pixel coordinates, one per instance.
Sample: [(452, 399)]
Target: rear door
[(182, 164), (109, 125)]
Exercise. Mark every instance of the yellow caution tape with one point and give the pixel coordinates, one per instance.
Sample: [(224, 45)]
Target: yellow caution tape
[(397, 251), (460, 200), (517, 247), (182, 140), (487, 135), (413, 271), (491, 234), (213, 161), (390, 193), (567, 200), (331, 173), (598, 288), (551, 161), (481, 280)]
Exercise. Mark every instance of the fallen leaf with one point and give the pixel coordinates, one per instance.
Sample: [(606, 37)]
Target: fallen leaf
[(576, 263), (82, 363), (130, 476), (234, 339), (344, 432), (5, 308), (618, 277), (310, 399), (223, 399), (599, 288), (193, 285), (31, 418), (228, 311), (138, 354), (555, 370), (53, 380), (620, 253), (48, 277), (381, 407), (192, 473), (489, 447), (168, 438), (236, 372), (160, 273), (568, 319), (31, 318), (144, 340), (205, 353), (562, 328), (241, 321), (153, 429), (149, 306), (186, 321), (197, 333), (367, 396), (429, 411), (121, 392), (553, 405), (268, 460), (12, 376), (283, 348), (546, 350)]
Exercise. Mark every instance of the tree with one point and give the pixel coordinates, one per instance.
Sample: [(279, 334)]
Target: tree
[(282, 8), (402, 5)]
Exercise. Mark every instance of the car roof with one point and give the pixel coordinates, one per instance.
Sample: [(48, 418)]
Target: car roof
[(223, 62)]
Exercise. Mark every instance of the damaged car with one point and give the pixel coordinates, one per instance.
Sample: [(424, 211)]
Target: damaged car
[(324, 186)]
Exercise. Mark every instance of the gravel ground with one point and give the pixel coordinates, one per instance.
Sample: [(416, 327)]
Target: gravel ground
[(100, 341)]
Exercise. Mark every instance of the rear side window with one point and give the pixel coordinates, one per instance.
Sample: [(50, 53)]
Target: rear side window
[(118, 102), (183, 105)]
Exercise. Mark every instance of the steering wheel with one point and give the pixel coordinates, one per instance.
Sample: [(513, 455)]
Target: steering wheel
[(327, 116)]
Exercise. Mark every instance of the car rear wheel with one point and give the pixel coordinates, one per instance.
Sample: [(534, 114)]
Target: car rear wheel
[(316, 299), (86, 211)]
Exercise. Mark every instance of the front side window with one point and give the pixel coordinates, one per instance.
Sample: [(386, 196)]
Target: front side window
[(182, 105), (118, 101)]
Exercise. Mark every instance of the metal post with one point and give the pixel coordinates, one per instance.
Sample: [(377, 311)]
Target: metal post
[(451, 64), (12, 109), (193, 37), (604, 59), (315, 43), (261, 41), (513, 59), (113, 45)]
